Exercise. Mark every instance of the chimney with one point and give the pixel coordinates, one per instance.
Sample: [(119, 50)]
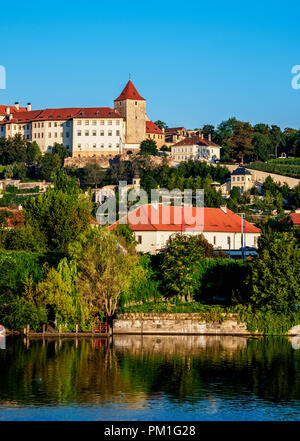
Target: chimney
[(163, 130), (224, 208), (209, 137), (10, 117), (7, 110), (202, 136), (17, 105), (28, 107)]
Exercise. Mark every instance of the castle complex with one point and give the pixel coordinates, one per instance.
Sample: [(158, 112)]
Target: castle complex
[(85, 132)]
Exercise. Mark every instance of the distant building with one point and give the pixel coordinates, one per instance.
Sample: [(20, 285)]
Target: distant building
[(240, 178), (221, 227), (195, 148)]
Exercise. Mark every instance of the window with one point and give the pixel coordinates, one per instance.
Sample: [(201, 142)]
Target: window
[(87, 122), (117, 146), (109, 133), (78, 132), (109, 146), (34, 125), (118, 132), (255, 241), (228, 240), (49, 135), (39, 135), (94, 133), (139, 239), (61, 134), (55, 135), (79, 146), (67, 134), (49, 124), (42, 124), (28, 127), (238, 178), (86, 133), (233, 178), (68, 124), (118, 122), (42, 135), (94, 146), (79, 123), (109, 122), (101, 122), (215, 240), (94, 123), (102, 133), (102, 146), (136, 103), (55, 124)]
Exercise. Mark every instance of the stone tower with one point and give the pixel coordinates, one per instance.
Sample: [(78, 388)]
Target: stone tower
[(133, 108)]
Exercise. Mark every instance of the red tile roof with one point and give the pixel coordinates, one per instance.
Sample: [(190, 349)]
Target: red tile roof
[(22, 117), (129, 93), (152, 128), (63, 114), (98, 112), (148, 218), (192, 140), (195, 140), (13, 109), (295, 218)]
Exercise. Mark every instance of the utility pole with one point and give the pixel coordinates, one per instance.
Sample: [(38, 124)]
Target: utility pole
[(242, 234)]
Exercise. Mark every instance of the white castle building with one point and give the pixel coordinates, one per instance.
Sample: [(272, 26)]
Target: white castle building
[(85, 132)]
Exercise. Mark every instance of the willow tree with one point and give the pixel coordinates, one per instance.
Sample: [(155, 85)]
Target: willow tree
[(105, 269)]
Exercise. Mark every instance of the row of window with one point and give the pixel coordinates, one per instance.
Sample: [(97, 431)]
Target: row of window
[(94, 133), (238, 178), (94, 122), (139, 240), (94, 146)]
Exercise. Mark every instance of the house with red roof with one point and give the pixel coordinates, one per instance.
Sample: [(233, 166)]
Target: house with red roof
[(195, 148), (154, 224)]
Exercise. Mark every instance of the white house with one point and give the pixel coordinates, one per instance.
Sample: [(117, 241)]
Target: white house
[(196, 148), (225, 230)]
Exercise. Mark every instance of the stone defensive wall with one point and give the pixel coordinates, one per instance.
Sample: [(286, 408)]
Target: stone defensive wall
[(181, 324)]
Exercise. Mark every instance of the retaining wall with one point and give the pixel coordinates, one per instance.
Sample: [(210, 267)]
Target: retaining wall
[(181, 324)]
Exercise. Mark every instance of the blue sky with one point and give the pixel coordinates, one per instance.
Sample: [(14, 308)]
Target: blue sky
[(195, 62)]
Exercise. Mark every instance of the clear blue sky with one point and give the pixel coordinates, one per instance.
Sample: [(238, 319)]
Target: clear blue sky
[(195, 62)]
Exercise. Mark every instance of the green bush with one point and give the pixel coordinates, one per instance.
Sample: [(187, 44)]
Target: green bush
[(221, 278), (17, 313)]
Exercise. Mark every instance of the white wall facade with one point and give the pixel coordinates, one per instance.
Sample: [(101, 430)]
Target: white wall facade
[(152, 241)]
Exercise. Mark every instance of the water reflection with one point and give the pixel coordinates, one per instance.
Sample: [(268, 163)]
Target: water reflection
[(200, 374)]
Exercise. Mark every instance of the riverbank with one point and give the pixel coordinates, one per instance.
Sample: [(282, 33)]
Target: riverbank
[(194, 324)]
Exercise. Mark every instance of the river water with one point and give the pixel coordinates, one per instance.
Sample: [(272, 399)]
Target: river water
[(151, 378)]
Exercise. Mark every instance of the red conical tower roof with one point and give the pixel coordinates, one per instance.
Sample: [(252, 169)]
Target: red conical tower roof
[(129, 93)]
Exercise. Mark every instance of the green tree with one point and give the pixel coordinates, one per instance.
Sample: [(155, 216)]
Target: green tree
[(160, 124), (93, 174), (60, 150), (34, 153), (179, 264), (148, 147), (105, 269), (59, 216), (240, 142), (49, 165), (262, 147), (274, 274), (20, 171)]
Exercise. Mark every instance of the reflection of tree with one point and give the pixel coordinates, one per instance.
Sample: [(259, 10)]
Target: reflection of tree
[(82, 373)]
